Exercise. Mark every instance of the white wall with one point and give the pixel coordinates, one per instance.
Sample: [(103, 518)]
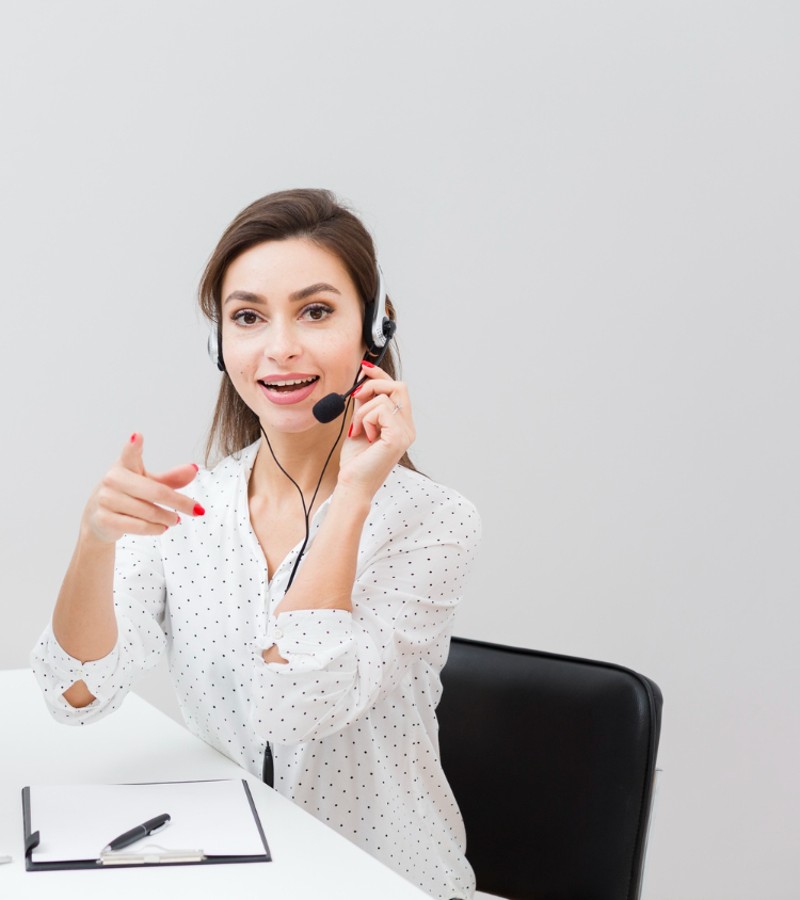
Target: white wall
[(588, 217)]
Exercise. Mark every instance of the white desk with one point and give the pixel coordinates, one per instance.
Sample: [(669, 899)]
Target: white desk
[(139, 743)]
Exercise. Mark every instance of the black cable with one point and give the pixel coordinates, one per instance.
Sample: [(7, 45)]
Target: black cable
[(306, 509), (268, 768)]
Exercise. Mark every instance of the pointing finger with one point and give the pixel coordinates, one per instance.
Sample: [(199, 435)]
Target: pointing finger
[(121, 482), (178, 477)]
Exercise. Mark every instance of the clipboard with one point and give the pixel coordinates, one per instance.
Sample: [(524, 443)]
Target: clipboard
[(211, 822)]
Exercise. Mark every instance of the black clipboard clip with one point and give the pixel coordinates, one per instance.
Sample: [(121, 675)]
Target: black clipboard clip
[(149, 855)]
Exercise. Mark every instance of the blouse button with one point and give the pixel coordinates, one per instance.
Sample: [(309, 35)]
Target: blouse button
[(277, 634)]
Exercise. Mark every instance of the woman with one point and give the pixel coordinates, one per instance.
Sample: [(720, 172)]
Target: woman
[(326, 671)]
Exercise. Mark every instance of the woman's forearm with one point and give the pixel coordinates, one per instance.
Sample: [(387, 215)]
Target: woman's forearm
[(325, 579), (84, 623)]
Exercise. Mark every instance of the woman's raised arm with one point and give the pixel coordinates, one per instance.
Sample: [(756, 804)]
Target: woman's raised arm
[(128, 500), (380, 433)]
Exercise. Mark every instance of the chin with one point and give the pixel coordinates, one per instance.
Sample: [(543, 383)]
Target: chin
[(290, 423)]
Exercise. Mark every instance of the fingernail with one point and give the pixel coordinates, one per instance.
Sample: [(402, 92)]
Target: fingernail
[(357, 389), (367, 363), (179, 520), (196, 467), (350, 430), (198, 510), (133, 437)]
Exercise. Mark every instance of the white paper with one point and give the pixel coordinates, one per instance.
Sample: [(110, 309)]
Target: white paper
[(75, 822)]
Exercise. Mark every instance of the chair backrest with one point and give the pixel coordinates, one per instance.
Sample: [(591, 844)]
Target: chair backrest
[(552, 760)]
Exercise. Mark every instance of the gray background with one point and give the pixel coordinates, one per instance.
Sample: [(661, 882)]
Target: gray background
[(588, 218)]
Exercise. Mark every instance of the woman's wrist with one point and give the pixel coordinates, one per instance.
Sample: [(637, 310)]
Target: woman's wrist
[(351, 501), (90, 545)]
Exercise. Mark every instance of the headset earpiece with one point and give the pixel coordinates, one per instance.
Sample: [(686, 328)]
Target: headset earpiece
[(378, 327), (215, 346)]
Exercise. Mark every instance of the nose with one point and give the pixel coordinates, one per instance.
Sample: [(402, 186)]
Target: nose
[(282, 342)]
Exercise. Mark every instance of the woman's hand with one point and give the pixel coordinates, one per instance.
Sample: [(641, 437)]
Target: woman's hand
[(381, 431), (130, 500)]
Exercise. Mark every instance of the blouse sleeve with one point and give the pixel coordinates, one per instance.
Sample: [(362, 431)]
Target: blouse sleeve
[(340, 664), (139, 596)]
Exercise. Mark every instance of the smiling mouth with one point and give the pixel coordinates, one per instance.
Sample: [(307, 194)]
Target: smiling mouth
[(289, 385)]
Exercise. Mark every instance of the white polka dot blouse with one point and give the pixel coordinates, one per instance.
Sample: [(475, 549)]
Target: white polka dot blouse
[(351, 716)]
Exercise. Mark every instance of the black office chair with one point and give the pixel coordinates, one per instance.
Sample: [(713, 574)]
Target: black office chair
[(552, 761)]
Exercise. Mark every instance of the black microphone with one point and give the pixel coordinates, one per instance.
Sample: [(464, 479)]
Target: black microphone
[(331, 406)]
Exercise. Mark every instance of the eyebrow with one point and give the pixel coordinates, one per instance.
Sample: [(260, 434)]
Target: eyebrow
[(295, 296)]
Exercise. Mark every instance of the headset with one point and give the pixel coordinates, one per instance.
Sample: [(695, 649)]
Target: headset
[(378, 328)]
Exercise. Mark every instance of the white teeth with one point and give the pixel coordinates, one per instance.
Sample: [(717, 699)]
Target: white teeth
[(290, 382)]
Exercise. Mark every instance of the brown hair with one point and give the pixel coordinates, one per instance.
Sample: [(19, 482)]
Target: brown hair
[(313, 214)]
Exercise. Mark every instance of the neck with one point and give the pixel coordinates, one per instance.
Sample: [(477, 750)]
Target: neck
[(303, 457)]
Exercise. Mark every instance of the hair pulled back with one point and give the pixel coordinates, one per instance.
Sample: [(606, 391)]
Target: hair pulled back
[(313, 214)]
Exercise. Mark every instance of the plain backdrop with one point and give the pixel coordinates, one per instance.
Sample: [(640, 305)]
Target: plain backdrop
[(588, 218)]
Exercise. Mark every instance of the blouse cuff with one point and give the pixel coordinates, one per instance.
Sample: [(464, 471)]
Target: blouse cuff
[(68, 670), (310, 638)]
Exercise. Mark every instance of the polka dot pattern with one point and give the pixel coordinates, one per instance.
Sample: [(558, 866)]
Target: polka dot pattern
[(351, 716)]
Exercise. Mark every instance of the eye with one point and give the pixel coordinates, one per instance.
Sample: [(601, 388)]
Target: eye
[(245, 317), (317, 312)]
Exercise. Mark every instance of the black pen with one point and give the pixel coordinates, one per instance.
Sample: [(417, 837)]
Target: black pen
[(136, 834)]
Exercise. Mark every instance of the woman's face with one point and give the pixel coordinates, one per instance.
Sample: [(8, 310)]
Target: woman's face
[(291, 330)]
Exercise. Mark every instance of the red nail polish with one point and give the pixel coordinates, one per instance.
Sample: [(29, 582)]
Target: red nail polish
[(357, 390), (179, 520), (367, 363), (133, 437), (350, 430), (196, 467), (198, 510)]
